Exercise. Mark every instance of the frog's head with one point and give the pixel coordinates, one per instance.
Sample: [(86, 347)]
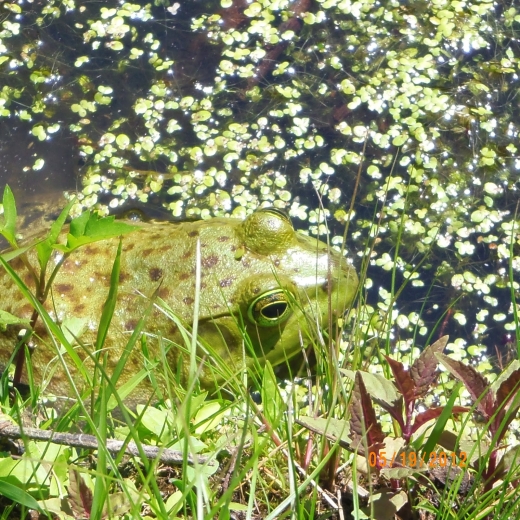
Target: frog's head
[(290, 287)]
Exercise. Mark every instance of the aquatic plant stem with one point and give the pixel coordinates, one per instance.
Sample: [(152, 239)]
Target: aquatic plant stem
[(42, 292)]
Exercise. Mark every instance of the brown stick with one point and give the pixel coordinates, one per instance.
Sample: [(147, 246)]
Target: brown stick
[(81, 440)]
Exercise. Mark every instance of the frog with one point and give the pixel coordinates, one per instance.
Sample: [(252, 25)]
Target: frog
[(262, 288)]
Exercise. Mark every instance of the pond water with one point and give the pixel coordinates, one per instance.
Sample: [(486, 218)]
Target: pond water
[(207, 108)]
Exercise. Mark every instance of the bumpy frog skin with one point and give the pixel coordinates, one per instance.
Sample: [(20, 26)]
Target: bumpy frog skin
[(257, 274)]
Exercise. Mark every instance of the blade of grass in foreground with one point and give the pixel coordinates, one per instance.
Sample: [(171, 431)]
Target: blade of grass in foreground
[(18, 495), (51, 326), (110, 303), (440, 424)]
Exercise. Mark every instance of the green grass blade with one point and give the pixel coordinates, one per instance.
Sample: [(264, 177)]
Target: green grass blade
[(110, 303), (440, 424), (9, 227), (18, 495), (51, 326)]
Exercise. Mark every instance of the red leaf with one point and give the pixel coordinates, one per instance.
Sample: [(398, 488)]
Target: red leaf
[(395, 410), (507, 390), (403, 381), (476, 384), (424, 369), (363, 420), (80, 496), (505, 394), (433, 413)]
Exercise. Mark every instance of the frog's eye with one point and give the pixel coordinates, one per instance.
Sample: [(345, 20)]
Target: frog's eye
[(270, 308)]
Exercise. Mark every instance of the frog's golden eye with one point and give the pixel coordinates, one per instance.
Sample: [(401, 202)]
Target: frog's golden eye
[(270, 308)]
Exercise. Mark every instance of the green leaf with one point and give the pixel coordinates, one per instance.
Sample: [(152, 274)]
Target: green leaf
[(122, 140), (126, 389), (377, 386), (154, 420), (44, 248), (9, 227), (208, 417), (110, 303), (271, 398), (333, 429), (400, 140), (73, 328), (9, 255), (78, 224), (400, 473), (7, 318), (89, 228), (201, 115), (18, 495), (116, 45), (440, 424)]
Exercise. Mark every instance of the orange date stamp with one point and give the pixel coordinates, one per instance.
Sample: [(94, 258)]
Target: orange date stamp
[(413, 459)]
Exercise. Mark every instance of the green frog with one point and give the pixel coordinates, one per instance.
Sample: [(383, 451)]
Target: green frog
[(260, 279)]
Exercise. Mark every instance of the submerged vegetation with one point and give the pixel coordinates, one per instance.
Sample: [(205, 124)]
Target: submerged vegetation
[(390, 126)]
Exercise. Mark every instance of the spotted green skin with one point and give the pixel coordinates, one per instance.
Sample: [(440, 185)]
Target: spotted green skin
[(239, 261)]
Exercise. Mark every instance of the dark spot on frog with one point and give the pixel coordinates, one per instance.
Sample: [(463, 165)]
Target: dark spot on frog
[(256, 290), (26, 310), (223, 239), (226, 282), (210, 261), (39, 329), (71, 265), (246, 263), (63, 287), (101, 277), (16, 264), (78, 309), (186, 255), (193, 234), (129, 247), (147, 252), (188, 300), (89, 250), (123, 277), (155, 274), (164, 249), (183, 276), (164, 293), (130, 325)]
